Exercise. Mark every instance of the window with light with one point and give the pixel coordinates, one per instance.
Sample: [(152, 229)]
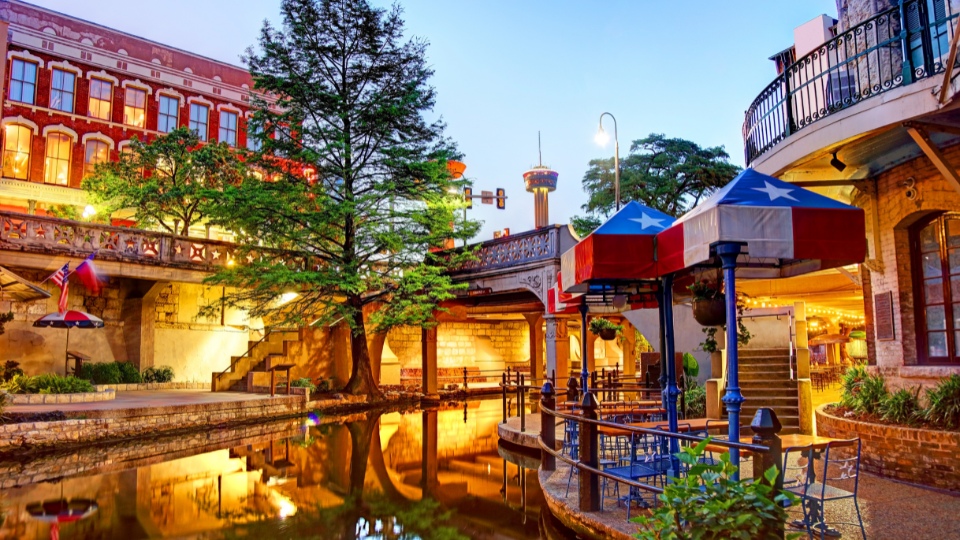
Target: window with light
[(100, 93), (135, 107), (23, 81), (16, 151), (62, 87), (199, 118), (96, 152), (228, 127), (253, 137), (935, 246), (56, 167), (168, 116)]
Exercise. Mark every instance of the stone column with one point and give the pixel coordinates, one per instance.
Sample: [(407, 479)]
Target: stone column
[(558, 348), (804, 388), (429, 365), (535, 321), (428, 462), (629, 348), (591, 340)]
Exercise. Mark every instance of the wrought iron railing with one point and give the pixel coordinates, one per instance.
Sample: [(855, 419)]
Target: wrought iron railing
[(894, 48), (515, 249)]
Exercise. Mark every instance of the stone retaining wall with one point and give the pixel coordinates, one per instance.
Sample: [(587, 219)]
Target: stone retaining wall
[(922, 456), (78, 397), (154, 386)]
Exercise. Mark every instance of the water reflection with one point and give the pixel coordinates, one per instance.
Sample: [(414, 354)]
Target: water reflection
[(426, 474)]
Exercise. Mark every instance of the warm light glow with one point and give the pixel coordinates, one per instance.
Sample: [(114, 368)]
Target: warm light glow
[(601, 137), (285, 506), (89, 211), (452, 191), (286, 298)]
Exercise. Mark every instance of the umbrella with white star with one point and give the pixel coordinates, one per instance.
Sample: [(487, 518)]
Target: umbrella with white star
[(785, 230)]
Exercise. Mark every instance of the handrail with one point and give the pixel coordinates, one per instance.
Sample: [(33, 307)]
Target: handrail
[(583, 467), (877, 55), (252, 347)]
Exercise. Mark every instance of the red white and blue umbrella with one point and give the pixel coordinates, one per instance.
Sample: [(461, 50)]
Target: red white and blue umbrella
[(61, 511), (69, 319), (786, 230)]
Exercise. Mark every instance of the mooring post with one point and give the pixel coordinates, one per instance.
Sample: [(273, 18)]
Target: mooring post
[(548, 427), (520, 408), (766, 428), (589, 455), (503, 386)]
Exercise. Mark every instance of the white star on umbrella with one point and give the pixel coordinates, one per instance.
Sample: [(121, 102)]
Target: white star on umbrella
[(775, 193), (647, 221)]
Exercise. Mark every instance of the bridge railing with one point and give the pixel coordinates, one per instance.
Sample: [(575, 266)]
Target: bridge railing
[(515, 249)]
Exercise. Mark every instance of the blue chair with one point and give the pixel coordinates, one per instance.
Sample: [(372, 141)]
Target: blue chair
[(839, 479)]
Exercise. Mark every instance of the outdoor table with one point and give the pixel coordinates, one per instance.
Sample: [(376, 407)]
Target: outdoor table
[(78, 360), (690, 424)]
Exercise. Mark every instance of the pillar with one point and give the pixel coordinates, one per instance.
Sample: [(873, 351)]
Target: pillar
[(535, 322), (804, 388), (733, 399), (590, 339), (428, 462), (429, 362), (629, 349), (558, 348)]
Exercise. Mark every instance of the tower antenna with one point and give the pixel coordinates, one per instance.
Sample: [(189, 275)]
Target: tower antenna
[(539, 148)]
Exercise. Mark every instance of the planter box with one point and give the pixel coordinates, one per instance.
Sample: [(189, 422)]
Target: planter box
[(920, 456), (48, 399)]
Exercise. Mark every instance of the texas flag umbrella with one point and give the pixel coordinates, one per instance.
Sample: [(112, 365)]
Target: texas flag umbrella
[(61, 511), (785, 230), (620, 251), (69, 319)]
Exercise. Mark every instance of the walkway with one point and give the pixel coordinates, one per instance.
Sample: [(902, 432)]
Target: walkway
[(143, 399)]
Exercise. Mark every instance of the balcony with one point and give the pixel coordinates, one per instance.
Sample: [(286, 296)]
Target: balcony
[(868, 60)]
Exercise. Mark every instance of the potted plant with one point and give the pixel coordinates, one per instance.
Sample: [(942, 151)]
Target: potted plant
[(709, 303), (605, 329)]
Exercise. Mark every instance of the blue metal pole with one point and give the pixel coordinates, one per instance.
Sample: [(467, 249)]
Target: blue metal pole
[(672, 391), (584, 374), (728, 253), (662, 379)]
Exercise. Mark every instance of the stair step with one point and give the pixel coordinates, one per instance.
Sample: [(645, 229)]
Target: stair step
[(745, 353), (771, 401), (768, 392), (767, 383)]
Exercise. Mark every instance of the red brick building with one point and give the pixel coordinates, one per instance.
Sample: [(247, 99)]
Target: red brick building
[(75, 93)]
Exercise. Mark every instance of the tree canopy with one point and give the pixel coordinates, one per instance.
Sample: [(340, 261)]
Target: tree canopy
[(165, 181), (359, 198), (670, 175)]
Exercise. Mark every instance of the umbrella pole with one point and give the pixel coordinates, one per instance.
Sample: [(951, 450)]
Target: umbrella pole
[(671, 390), (66, 354), (733, 399)]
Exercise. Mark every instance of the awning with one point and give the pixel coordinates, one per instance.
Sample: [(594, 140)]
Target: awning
[(14, 287), (785, 230), (619, 252)]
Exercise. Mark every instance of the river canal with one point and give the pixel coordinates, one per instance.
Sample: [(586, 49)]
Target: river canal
[(415, 474)]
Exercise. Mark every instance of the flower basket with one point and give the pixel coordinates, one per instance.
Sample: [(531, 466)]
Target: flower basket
[(608, 334), (710, 312)]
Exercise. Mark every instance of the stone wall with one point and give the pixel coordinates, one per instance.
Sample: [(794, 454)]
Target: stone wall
[(892, 272), (922, 456), (485, 345), (461, 438)]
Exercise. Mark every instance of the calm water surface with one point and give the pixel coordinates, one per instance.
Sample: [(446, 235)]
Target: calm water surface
[(420, 474)]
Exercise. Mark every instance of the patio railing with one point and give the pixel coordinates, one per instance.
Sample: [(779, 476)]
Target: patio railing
[(894, 48)]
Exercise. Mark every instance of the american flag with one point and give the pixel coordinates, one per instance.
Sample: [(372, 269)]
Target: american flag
[(62, 304), (60, 276)]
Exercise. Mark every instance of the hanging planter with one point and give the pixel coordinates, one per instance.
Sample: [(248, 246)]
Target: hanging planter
[(710, 312), (605, 329)]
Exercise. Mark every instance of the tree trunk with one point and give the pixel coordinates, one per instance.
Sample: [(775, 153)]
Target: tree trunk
[(361, 375), (361, 435)]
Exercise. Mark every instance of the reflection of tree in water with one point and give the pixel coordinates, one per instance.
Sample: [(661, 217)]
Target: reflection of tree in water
[(384, 516)]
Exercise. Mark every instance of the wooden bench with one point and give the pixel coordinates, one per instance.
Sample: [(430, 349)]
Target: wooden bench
[(78, 359)]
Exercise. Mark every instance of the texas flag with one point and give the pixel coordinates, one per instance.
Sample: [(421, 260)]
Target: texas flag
[(88, 275), (559, 301), (786, 230)]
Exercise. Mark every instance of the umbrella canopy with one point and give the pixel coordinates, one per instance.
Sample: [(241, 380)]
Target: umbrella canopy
[(16, 288), (620, 251), (62, 510), (69, 319), (829, 338), (785, 230)]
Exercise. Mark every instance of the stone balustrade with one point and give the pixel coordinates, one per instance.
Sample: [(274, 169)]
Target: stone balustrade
[(513, 250)]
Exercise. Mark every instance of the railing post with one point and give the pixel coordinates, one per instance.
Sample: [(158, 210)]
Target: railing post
[(766, 428), (788, 103), (573, 388), (548, 427), (464, 378), (589, 455), (520, 408), (907, 68), (503, 385)]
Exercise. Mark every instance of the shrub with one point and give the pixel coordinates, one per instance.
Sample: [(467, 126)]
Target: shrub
[(48, 383), (303, 382), (324, 385), (902, 407), (696, 401), (9, 370), (873, 392), (943, 403), (101, 372), (708, 503), (850, 385), (129, 373), (158, 374), (600, 324)]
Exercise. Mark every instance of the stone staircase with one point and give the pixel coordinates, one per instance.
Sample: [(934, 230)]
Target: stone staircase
[(765, 382), (270, 350)]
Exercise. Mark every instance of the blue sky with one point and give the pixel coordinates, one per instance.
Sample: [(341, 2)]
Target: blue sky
[(508, 68)]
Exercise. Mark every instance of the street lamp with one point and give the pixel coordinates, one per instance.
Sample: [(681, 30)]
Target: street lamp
[(602, 138)]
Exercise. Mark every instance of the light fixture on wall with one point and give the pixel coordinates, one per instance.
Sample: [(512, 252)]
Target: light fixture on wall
[(837, 164), (910, 188)]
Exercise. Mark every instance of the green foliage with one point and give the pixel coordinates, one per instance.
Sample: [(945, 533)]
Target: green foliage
[(670, 175), (172, 177), (101, 372), (599, 324), (706, 290), (584, 225), (902, 407), (9, 370), (743, 333), (691, 368), (366, 226), (4, 319), (129, 373), (158, 374), (47, 383), (4, 397), (943, 403), (873, 392), (303, 382), (709, 504), (850, 384), (695, 400)]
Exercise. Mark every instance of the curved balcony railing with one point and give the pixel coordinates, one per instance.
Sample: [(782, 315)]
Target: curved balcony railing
[(896, 47)]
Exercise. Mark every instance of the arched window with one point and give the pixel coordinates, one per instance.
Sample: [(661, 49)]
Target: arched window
[(56, 167), (16, 151), (935, 245), (96, 152)]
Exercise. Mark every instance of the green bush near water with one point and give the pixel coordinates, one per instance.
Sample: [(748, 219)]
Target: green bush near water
[(158, 374), (110, 373), (48, 383)]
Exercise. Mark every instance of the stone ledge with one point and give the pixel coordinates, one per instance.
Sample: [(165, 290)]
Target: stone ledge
[(102, 394), (154, 386)]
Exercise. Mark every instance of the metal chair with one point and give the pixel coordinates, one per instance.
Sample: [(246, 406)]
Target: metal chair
[(797, 476), (839, 479)]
